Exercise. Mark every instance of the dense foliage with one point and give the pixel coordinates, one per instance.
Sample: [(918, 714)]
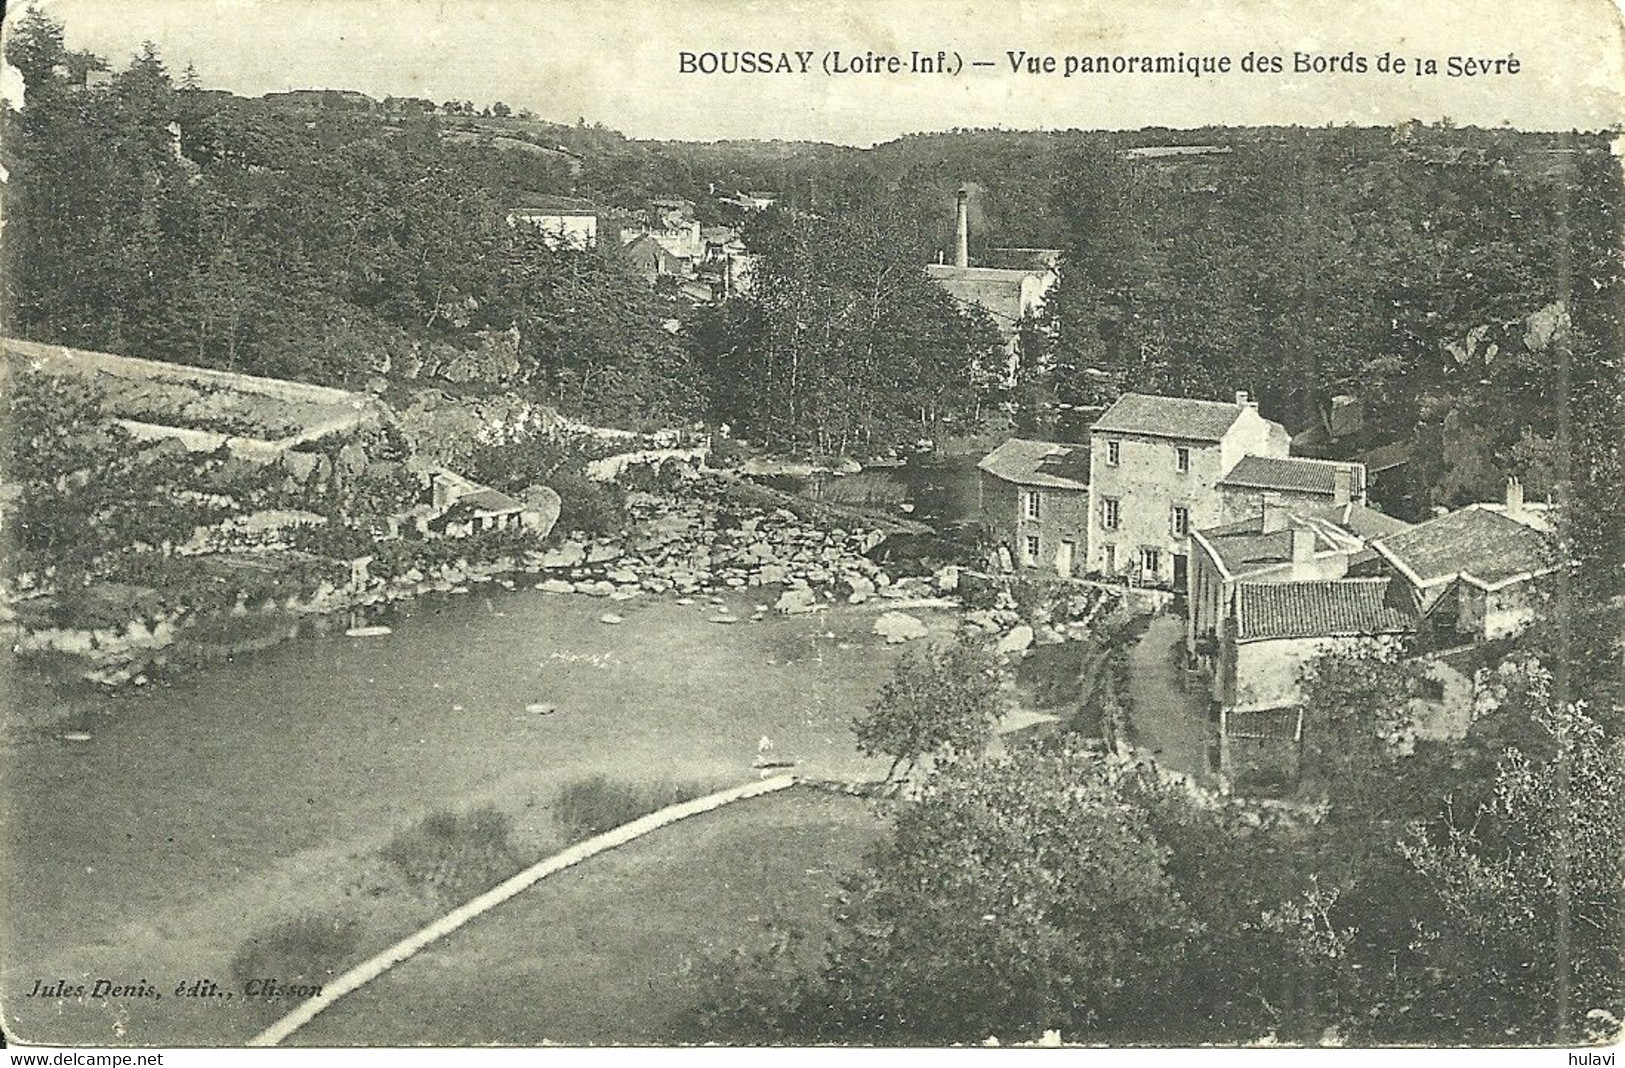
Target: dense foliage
[(940, 701), (843, 345), (1468, 893), (188, 225)]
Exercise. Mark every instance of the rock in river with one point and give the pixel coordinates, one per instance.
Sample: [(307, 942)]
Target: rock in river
[(898, 627), (796, 602), (1019, 638)]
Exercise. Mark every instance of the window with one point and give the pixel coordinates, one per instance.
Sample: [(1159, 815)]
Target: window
[(1151, 560), (1114, 453), (1030, 503), (1109, 559), (1182, 459), (1181, 521), (1029, 553), (1108, 513)]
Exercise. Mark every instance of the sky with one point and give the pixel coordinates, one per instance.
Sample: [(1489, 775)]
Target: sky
[(619, 61)]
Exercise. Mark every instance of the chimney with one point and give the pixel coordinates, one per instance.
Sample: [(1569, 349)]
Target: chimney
[(1303, 545), (1244, 401), (1277, 516), (1514, 498), (1342, 485), (962, 230)]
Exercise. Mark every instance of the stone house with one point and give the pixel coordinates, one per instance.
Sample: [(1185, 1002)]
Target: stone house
[(1277, 628), (1294, 481), (1474, 574), (1007, 296), (1277, 544), (652, 260), (1034, 496), (1155, 464), (564, 222)]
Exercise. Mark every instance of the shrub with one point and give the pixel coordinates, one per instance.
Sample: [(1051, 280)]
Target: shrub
[(729, 453), (306, 949), (867, 489), (593, 508), (455, 857), (596, 804)]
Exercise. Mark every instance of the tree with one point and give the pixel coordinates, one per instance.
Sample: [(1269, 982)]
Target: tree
[(35, 47), (1017, 896), (1356, 706), (843, 342), (941, 700)]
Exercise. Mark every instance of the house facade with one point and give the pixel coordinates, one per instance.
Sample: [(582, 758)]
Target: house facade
[(1277, 628), (1475, 574), (1292, 481), (564, 222), (1278, 544), (1155, 464), (1034, 497)]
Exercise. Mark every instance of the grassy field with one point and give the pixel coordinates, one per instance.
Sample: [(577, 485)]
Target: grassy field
[(610, 951)]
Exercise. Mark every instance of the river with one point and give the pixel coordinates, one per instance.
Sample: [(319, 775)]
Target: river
[(198, 810)]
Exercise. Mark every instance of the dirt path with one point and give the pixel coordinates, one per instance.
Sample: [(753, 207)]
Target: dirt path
[(1167, 723)]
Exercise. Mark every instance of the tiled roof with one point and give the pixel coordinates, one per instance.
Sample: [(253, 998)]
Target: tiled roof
[(1169, 417), (1039, 463), (1243, 546), (1358, 519), (1478, 543), (489, 500), (1320, 609), (1292, 474), (1263, 723), (1386, 457)]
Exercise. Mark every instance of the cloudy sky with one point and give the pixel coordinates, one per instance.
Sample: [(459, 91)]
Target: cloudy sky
[(617, 61)]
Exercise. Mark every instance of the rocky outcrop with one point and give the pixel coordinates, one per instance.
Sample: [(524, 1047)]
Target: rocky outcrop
[(703, 541), (898, 627)]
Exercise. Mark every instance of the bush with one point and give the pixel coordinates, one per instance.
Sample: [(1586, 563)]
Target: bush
[(593, 508), (866, 489), (455, 857), (596, 804), (728, 453), (308, 950)]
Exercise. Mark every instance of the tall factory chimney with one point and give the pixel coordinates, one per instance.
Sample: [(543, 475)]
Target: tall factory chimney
[(962, 231)]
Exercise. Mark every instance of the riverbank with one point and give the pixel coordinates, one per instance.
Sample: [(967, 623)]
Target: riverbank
[(710, 533), (206, 810)]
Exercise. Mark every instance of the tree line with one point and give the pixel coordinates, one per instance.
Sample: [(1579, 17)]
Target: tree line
[(154, 220), (1465, 893)]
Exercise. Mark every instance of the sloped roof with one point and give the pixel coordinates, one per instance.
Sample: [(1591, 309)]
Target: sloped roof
[(995, 290), (1265, 723), (1358, 519), (1386, 457), (1039, 463), (1480, 544), (1319, 609), (487, 499), (1290, 474), (1243, 546), (1169, 417)]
